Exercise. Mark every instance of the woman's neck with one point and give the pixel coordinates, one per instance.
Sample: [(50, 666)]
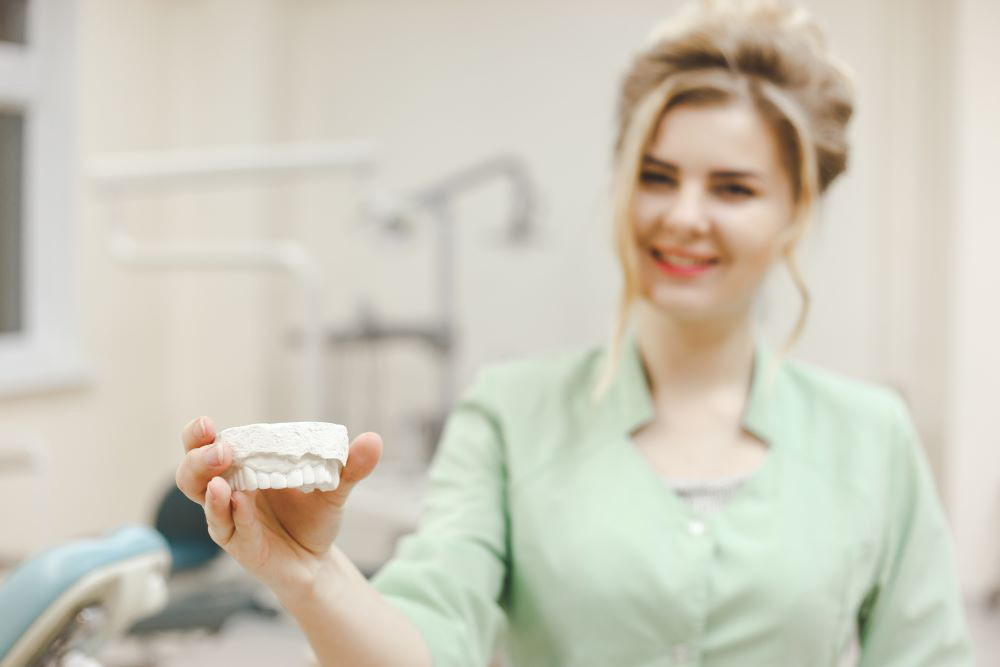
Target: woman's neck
[(690, 358)]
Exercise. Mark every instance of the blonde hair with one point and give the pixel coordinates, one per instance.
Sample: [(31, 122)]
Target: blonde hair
[(763, 52)]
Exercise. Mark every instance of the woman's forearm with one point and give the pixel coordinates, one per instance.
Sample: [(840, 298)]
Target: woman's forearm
[(348, 622)]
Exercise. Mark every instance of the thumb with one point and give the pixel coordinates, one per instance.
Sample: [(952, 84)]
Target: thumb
[(362, 457)]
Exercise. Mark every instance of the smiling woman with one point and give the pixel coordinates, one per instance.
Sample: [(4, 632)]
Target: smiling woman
[(560, 519), (716, 504), (731, 116)]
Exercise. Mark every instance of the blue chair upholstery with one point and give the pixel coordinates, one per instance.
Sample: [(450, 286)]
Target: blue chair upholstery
[(39, 583)]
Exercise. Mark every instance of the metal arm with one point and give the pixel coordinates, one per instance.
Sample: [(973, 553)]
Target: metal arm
[(117, 176)]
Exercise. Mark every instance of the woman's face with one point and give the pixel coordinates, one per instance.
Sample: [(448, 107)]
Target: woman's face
[(712, 210)]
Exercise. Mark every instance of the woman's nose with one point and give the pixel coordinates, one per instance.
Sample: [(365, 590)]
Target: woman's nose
[(687, 211)]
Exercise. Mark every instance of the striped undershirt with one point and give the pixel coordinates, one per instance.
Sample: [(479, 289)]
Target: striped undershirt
[(707, 495)]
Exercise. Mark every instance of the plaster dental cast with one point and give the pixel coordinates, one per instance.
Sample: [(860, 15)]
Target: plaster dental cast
[(299, 455)]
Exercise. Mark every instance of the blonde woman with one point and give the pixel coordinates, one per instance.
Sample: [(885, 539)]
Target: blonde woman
[(681, 495)]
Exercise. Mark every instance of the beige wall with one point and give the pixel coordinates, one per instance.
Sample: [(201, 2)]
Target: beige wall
[(440, 84), (974, 374)]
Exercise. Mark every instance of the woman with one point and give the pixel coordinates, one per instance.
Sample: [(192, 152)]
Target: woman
[(682, 495)]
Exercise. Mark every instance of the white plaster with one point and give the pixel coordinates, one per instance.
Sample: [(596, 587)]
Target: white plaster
[(296, 455)]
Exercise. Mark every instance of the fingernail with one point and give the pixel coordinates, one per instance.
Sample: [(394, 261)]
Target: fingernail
[(213, 455), (201, 427)]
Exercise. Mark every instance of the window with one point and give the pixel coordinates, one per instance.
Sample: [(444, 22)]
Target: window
[(13, 21), (11, 163), (39, 346)]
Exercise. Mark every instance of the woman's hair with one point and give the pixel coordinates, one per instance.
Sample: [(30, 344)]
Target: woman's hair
[(762, 52)]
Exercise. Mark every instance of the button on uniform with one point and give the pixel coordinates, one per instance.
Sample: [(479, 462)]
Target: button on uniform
[(696, 527), (681, 654)]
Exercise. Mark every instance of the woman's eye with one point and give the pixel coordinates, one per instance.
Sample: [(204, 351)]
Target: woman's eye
[(735, 190), (654, 177)]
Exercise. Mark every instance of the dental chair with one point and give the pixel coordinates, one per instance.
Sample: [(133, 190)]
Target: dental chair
[(59, 607)]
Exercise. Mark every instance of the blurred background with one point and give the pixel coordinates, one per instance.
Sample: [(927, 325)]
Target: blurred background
[(271, 210)]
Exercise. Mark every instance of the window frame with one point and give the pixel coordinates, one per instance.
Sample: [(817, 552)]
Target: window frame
[(36, 78)]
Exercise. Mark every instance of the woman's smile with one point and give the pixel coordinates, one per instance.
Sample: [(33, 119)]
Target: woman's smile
[(679, 265)]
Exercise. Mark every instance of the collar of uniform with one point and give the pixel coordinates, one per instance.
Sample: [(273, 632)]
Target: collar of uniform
[(630, 401)]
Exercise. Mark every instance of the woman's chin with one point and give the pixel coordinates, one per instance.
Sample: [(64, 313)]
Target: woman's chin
[(694, 311), (681, 309)]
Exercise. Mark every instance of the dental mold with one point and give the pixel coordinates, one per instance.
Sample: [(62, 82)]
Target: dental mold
[(307, 456)]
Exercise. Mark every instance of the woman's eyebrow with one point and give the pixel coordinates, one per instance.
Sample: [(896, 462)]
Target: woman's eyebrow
[(659, 163), (720, 173), (732, 173)]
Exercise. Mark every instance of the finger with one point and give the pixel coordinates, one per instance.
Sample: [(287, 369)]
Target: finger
[(248, 528), (198, 432), (218, 513), (244, 516), (199, 466), (363, 455)]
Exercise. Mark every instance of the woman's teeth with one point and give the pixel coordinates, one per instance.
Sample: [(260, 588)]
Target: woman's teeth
[(684, 261), (677, 260)]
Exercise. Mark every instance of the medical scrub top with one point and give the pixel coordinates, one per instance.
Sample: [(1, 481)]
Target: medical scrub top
[(545, 529)]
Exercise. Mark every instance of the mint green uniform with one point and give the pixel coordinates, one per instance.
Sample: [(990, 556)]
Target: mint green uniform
[(546, 529)]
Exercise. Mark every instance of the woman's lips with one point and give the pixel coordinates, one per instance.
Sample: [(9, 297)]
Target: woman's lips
[(683, 271)]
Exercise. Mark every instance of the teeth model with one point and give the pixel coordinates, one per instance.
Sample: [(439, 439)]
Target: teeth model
[(307, 456)]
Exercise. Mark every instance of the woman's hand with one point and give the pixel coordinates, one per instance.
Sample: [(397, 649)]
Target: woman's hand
[(280, 536)]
